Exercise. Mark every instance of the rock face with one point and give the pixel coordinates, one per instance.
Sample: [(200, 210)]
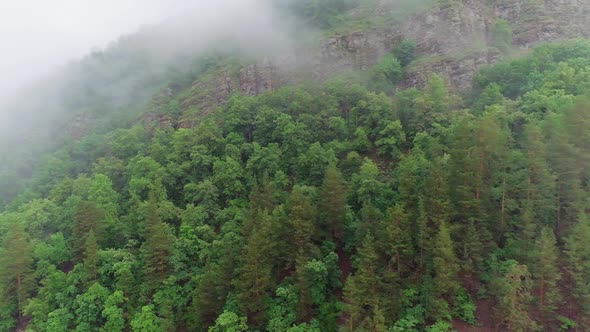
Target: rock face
[(536, 21), (453, 41)]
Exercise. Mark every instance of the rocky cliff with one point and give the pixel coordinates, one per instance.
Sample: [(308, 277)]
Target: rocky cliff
[(455, 40)]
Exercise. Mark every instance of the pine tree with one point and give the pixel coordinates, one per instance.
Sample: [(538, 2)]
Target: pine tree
[(528, 230), (261, 201), (157, 247), (303, 285), (578, 262), (512, 289), (470, 169), (422, 237), (545, 271), (397, 240), (361, 292), (16, 261), (87, 217), (332, 206), (540, 185), (91, 258), (301, 214), (254, 281), (212, 288), (565, 162), (446, 272)]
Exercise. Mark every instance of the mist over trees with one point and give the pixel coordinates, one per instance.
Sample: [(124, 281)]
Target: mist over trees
[(353, 204)]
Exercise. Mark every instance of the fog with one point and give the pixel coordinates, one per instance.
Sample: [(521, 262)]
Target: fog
[(66, 58), (39, 36), (110, 48)]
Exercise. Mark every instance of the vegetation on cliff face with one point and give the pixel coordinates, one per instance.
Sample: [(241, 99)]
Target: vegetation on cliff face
[(320, 208), (351, 204)]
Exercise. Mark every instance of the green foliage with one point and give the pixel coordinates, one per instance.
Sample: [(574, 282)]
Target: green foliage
[(511, 286), (16, 275), (113, 313), (87, 218), (55, 251), (157, 247), (405, 52), (566, 323), (88, 308), (386, 74), (90, 258), (146, 320), (502, 35), (391, 140), (446, 269), (302, 207), (545, 271), (322, 13), (578, 255), (465, 308), (229, 322)]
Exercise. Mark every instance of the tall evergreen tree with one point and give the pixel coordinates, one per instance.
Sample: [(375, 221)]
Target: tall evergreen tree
[(578, 262), (254, 280), (87, 217), (540, 183), (446, 272), (362, 291), (301, 215), (157, 247), (396, 240), (16, 260), (512, 289), (545, 272), (91, 258), (565, 162), (332, 206)]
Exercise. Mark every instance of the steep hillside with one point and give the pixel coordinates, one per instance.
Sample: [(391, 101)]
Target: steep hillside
[(400, 166), (454, 39)]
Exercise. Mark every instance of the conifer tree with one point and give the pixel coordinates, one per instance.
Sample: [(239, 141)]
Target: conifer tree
[(91, 258), (16, 261), (157, 247), (397, 240), (332, 206), (262, 201), (512, 289), (361, 292), (528, 230), (87, 217), (303, 285), (301, 213), (565, 162), (422, 236), (545, 271), (254, 281), (578, 259), (540, 186), (446, 270)]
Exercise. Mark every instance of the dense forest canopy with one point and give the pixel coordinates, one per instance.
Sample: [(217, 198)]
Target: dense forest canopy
[(353, 204)]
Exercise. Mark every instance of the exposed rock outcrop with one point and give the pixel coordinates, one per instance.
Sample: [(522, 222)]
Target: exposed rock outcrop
[(454, 41)]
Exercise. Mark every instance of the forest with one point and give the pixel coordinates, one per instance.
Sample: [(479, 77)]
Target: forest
[(355, 203), (348, 205)]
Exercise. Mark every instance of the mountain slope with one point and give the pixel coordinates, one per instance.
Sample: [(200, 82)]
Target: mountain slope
[(380, 179)]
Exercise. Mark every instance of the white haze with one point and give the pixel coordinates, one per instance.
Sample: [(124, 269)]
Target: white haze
[(44, 40), (38, 35)]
